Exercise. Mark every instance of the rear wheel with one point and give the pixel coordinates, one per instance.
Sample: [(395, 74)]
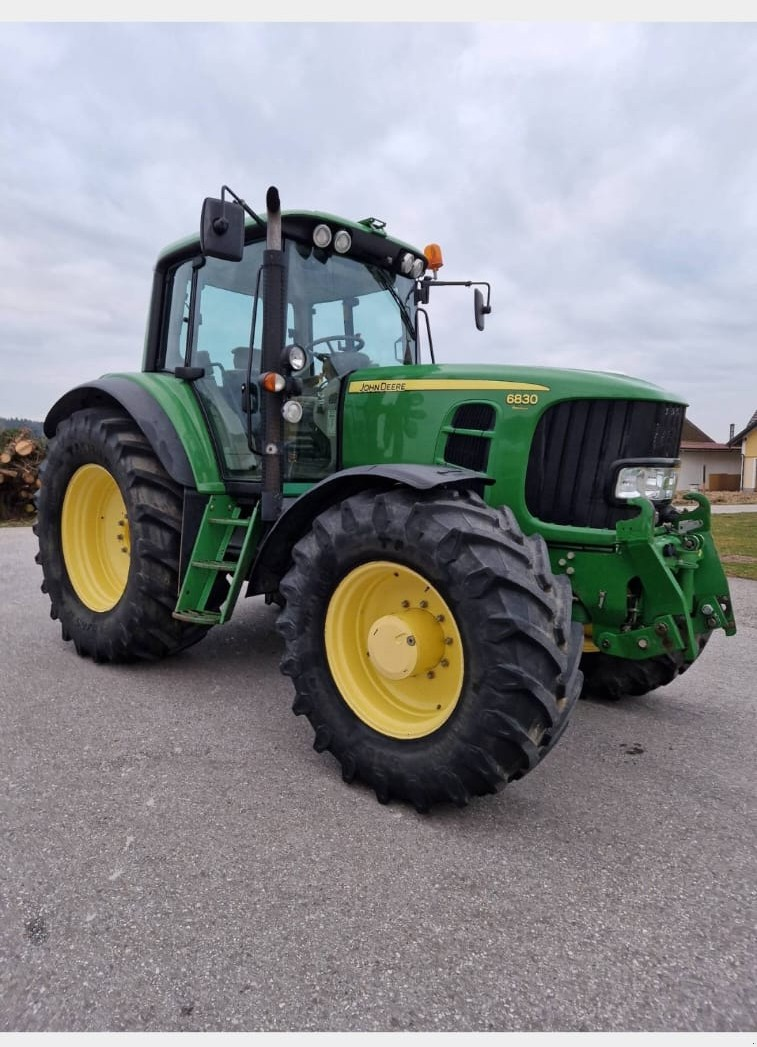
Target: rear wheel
[(611, 679), (109, 530), (429, 644)]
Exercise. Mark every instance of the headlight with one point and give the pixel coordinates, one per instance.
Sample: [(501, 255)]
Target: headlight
[(418, 267), (292, 411), (656, 481), (342, 242), (406, 263), (296, 357), (321, 236)]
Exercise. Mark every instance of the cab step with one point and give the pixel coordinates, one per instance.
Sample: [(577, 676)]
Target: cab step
[(214, 554), (198, 617), (216, 565)]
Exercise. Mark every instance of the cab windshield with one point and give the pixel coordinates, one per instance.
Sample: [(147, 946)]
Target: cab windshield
[(340, 305)]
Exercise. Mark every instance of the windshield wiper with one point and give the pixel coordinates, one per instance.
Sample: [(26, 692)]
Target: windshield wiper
[(382, 278)]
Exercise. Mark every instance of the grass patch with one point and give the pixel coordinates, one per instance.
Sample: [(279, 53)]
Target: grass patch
[(735, 536)]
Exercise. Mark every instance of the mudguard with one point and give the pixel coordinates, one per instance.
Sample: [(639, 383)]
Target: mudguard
[(273, 555), (161, 412)]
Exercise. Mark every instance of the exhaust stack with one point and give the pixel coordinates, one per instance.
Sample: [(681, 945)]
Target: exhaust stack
[(274, 319)]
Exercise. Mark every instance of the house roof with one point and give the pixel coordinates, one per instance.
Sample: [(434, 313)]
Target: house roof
[(704, 445), (751, 424), (693, 432)]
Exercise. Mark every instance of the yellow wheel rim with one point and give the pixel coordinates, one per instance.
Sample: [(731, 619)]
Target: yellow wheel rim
[(394, 650), (95, 538)]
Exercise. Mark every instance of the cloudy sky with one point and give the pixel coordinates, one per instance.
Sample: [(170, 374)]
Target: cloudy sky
[(602, 176)]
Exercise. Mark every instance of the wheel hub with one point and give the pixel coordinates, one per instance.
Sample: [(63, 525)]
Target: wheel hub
[(394, 649), (405, 644), (95, 537)]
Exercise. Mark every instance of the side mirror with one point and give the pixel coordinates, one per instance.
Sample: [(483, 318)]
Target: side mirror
[(222, 230), (479, 309)]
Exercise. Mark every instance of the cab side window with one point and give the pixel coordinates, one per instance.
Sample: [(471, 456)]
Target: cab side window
[(224, 320), (178, 317)]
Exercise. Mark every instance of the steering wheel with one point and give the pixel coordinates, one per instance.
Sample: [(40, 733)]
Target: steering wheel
[(352, 341)]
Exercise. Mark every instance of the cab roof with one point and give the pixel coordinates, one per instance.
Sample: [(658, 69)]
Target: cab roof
[(296, 225)]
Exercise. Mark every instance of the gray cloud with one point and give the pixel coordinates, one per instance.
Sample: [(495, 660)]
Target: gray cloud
[(599, 175)]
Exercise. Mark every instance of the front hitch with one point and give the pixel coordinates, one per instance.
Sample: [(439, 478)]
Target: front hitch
[(685, 591)]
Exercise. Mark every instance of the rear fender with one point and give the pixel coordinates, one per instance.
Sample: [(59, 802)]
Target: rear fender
[(166, 412)]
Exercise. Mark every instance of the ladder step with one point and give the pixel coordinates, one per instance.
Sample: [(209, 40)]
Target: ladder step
[(215, 565), (220, 548), (198, 617)]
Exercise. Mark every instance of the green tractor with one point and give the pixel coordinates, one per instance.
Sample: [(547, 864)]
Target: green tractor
[(458, 551)]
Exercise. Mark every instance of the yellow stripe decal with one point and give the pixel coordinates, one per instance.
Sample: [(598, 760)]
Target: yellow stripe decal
[(404, 385)]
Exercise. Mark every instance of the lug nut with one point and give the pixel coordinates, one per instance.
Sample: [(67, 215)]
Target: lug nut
[(430, 674), (707, 609), (405, 603), (444, 663), (643, 643), (448, 640), (423, 603)]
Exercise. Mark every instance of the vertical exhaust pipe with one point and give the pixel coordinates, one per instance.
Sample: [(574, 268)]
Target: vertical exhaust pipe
[(274, 321)]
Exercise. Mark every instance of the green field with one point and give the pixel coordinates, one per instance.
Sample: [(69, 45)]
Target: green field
[(735, 536)]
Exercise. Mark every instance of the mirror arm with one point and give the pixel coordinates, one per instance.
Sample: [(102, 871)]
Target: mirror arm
[(242, 204), (427, 283)]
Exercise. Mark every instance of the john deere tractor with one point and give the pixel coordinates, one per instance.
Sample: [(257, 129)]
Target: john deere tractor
[(457, 551)]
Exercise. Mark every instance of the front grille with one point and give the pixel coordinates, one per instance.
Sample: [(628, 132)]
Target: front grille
[(575, 444)]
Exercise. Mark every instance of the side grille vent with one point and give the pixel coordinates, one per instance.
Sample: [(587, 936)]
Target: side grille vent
[(466, 445), (474, 416), (470, 452)]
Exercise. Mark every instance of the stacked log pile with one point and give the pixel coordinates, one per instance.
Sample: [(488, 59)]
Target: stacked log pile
[(20, 456)]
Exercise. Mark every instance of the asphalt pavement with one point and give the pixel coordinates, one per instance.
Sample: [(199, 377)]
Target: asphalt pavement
[(748, 507), (175, 856)]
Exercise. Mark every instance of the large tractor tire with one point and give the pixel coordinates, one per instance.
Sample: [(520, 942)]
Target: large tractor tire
[(430, 646), (109, 529), (612, 679)]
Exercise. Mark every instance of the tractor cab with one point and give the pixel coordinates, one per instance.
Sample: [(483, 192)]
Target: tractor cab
[(348, 305)]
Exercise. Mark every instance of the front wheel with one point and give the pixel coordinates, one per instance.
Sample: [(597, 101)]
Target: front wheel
[(429, 644)]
